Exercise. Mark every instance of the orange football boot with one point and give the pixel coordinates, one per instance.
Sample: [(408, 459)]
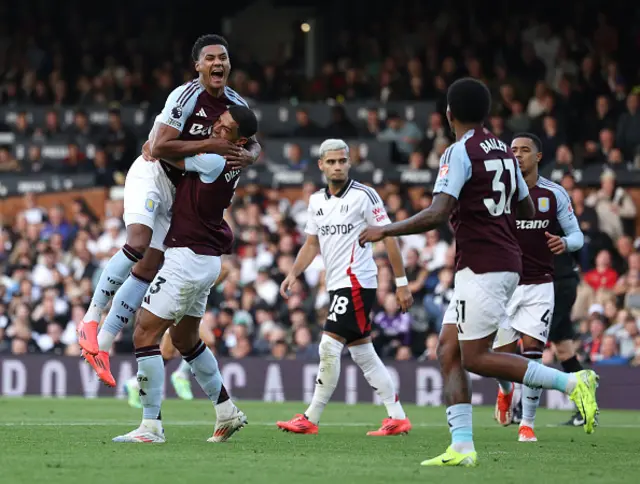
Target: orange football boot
[(526, 434), (88, 337), (100, 364), (392, 426), (299, 424), (504, 409)]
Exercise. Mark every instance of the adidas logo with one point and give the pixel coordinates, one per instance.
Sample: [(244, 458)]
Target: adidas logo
[(319, 213), (201, 113)]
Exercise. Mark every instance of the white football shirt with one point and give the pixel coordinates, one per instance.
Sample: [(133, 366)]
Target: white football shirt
[(338, 220)]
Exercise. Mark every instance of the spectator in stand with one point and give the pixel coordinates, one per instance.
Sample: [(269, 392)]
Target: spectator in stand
[(340, 127), (119, 142), (405, 135), (295, 158), (392, 327), (603, 276), (373, 125), (306, 128), (628, 131), (615, 208), (8, 161)]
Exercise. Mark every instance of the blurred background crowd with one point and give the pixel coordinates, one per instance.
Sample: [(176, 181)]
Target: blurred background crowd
[(572, 78)]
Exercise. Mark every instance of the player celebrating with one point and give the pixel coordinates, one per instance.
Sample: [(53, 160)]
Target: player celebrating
[(177, 297), (531, 305), (182, 129), (336, 215), (480, 179), (181, 377)]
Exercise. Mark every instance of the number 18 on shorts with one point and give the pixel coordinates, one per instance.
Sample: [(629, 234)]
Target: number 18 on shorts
[(349, 313)]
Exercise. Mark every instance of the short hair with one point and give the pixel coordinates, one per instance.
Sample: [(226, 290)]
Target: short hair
[(205, 40), (246, 120), (333, 145), (469, 100), (532, 137)]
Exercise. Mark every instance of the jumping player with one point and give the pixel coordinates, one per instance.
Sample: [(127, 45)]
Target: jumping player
[(480, 183), (177, 297), (182, 129), (336, 215), (532, 304)]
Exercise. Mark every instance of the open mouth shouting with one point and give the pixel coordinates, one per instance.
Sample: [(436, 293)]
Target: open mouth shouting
[(217, 74)]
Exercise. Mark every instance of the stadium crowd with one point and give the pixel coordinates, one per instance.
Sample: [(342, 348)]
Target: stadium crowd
[(577, 87)]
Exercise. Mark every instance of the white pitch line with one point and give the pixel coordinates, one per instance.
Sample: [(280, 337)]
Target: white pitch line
[(195, 423)]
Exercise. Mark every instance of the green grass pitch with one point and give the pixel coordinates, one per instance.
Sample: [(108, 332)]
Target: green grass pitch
[(55, 441)]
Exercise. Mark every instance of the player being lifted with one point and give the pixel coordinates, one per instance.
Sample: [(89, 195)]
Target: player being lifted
[(336, 216), (177, 297), (482, 188), (183, 129), (532, 304)]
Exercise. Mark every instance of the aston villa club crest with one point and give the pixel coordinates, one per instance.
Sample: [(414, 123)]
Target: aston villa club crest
[(543, 204)]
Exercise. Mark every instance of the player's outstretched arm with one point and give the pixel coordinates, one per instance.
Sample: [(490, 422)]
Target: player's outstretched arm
[(403, 294), (306, 255), (428, 219)]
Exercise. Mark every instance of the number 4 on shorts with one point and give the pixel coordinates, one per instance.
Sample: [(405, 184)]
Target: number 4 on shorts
[(545, 318)]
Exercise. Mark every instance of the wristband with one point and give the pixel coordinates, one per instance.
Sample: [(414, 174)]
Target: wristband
[(402, 281)]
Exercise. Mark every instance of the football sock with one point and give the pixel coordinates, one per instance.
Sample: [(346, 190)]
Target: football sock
[(572, 365), (378, 376), (123, 309), (540, 376), (205, 368), (530, 402), (184, 369), (150, 380), (327, 379), (225, 408), (112, 277), (460, 420)]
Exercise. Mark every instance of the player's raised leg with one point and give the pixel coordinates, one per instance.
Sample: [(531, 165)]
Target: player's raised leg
[(112, 277), (457, 397), (123, 309)]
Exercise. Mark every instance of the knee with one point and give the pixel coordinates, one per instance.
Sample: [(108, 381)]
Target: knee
[(329, 349), (448, 352), (139, 237)]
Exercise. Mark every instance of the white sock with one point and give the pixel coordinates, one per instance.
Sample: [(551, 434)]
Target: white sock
[(225, 410), (327, 379), (112, 277), (378, 376), (205, 369), (184, 370), (126, 302), (151, 381), (530, 402)]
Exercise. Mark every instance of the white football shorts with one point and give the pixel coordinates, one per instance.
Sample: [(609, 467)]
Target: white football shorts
[(479, 303), (530, 311), (181, 287), (148, 198)]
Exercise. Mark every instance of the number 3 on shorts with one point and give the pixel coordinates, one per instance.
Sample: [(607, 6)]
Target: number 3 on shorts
[(156, 287)]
